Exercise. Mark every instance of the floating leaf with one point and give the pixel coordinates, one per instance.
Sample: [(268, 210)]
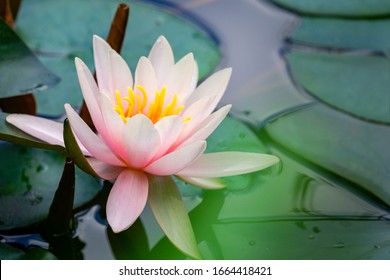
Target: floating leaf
[(28, 181), (344, 33), (168, 209), (338, 8), (351, 148), (21, 71), (60, 43), (357, 84)]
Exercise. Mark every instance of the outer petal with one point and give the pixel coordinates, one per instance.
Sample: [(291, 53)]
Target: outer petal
[(46, 130), (93, 143), (205, 183), (227, 164), (104, 170), (127, 199), (121, 74), (142, 141), (177, 160), (90, 92), (101, 51), (114, 127), (214, 87), (161, 57), (205, 128)]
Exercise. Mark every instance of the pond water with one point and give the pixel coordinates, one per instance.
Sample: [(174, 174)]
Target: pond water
[(329, 197)]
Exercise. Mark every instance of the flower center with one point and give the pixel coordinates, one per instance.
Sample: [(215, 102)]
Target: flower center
[(136, 105)]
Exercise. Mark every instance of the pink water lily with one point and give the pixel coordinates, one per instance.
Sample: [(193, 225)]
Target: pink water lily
[(154, 124)]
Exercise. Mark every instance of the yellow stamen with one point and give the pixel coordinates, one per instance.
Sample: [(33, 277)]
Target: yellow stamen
[(157, 109)]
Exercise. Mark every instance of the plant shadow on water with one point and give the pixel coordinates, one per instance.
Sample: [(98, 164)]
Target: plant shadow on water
[(329, 197)]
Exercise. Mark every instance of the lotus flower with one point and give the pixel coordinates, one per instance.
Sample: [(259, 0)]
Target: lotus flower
[(154, 124)]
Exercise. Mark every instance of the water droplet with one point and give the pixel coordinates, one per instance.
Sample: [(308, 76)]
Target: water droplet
[(377, 246), (339, 245), (252, 242), (311, 236)]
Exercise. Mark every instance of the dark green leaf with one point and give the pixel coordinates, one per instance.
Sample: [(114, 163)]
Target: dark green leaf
[(21, 71), (338, 8), (28, 180), (168, 209), (357, 84)]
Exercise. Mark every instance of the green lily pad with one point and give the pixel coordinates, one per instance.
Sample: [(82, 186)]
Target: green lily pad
[(338, 8), (21, 71), (356, 84), (345, 146), (28, 180), (60, 42), (344, 33)]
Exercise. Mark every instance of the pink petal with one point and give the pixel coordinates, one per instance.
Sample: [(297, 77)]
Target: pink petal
[(205, 183), (177, 160), (169, 129), (205, 128), (161, 57), (121, 74), (114, 126), (214, 87), (93, 143), (103, 65), (141, 139), (46, 130), (104, 170), (227, 164), (127, 199)]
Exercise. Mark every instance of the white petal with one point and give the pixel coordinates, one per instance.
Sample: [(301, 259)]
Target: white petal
[(214, 87), (180, 79), (177, 160), (127, 199), (145, 77), (169, 129), (205, 183), (104, 170), (142, 141), (161, 57), (91, 94), (205, 128), (46, 130), (103, 65), (121, 74), (227, 164), (93, 143)]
